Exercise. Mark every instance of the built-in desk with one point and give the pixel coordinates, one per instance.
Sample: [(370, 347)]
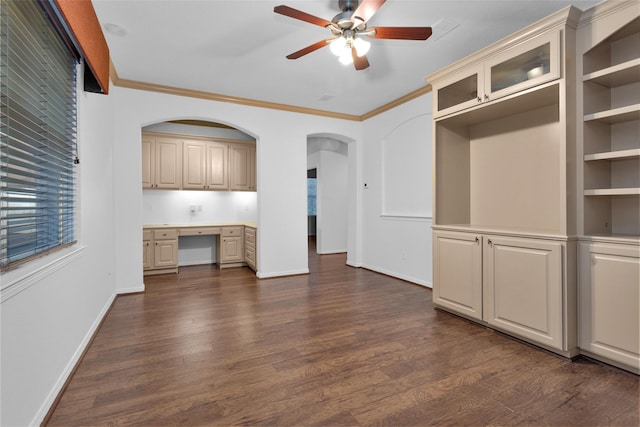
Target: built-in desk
[(235, 245)]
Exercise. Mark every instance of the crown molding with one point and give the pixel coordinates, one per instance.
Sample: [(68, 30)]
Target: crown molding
[(152, 87), (393, 104)]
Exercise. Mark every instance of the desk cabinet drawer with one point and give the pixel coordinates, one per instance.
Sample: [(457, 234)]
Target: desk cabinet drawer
[(165, 234), (231, 231), (205, 231), (249, 235)]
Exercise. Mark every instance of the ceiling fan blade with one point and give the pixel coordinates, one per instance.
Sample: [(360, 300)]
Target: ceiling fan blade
[(402, 33), (297, 14), (367, 9), (360, 62), (309, 49)]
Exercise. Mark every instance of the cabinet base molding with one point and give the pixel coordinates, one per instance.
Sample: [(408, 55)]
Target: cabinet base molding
[(162, 271), (232, 264), (572, 354), (601, 359)]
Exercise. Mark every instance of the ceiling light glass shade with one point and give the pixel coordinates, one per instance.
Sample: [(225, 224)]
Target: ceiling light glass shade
[(362, 46), (338, 46), (346, 58)]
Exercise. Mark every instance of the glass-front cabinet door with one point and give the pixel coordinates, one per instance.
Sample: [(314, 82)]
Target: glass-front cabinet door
[(526, 65), (459, 91)]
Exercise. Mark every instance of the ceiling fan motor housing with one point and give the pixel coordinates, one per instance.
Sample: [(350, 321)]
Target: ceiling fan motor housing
[(348, 5)]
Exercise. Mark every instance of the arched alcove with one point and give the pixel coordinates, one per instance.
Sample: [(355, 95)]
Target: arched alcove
[(190, 205)]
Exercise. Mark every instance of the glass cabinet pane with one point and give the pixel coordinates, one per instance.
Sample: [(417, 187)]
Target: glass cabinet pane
[(527, 66), (456, 93)]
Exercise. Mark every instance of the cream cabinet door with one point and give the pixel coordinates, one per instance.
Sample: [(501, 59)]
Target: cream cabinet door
[(194, 165), (165, 253), (147, 250), (609, 296), (168, 163), (148, 162), (523, 288), (217, 163), (457, 273), (242, 167), (231, 249)]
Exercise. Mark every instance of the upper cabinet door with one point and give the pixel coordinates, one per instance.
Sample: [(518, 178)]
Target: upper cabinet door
[(458, 92), (523, 66), (168, 165), (193, 166), (510, 70), (217, 166)]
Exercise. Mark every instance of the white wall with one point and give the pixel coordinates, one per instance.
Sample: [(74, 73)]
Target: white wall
[(396, 226), (49, 315)]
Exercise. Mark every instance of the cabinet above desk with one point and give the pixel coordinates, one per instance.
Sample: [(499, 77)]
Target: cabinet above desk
[(160, 244), (182, 162)]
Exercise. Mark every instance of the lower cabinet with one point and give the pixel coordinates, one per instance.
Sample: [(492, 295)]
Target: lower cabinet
[(457, 273), (160, 251), (516, 285), (523, 288), (230, 247), (609, 301)]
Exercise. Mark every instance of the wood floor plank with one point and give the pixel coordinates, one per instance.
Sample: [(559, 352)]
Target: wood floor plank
[(339, 347)]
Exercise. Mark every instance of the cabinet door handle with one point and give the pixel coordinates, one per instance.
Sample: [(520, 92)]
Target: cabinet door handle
[(486, 97), (489, 242), (477, 240), (479, 99)]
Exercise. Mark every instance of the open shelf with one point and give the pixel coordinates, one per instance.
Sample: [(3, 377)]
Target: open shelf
[(615, 115), (613, 155), (611, 137), (612, 192), (616, 75)]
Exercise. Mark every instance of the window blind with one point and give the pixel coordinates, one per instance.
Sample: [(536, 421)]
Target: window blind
[(38, 134)]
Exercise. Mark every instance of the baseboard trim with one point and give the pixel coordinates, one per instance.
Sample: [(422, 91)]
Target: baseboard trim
[(43, 415), (282, 273), (404, 277)]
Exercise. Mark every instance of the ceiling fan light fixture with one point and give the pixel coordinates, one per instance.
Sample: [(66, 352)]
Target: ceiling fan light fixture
[(338, 46), (362, 46), (346, 58)]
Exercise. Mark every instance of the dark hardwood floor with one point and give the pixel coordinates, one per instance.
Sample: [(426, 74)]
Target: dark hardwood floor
[(340, 346)]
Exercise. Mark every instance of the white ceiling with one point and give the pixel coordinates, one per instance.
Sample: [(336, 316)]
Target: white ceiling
[(238, 47)]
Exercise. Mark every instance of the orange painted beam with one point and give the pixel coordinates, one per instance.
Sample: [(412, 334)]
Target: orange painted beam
[(83, 23)]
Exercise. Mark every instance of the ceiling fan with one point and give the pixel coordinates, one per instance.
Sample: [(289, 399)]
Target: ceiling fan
[(348, 29)]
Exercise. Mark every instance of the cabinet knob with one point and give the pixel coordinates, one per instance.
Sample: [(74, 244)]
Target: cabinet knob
[(489, 242), (479, 99), (486, 97), (477, 240)]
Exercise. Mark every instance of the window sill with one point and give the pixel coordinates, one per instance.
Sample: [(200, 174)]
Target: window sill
[(25, 276)]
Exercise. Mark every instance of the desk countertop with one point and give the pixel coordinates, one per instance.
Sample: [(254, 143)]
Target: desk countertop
[(202, 224)]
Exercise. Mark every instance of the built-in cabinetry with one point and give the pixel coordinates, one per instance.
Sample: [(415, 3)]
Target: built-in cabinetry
[(250, 247), (608, 72), (161, 162), (504, 179), (160, 250), (235, 247), (527, 64), (197, 163)]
